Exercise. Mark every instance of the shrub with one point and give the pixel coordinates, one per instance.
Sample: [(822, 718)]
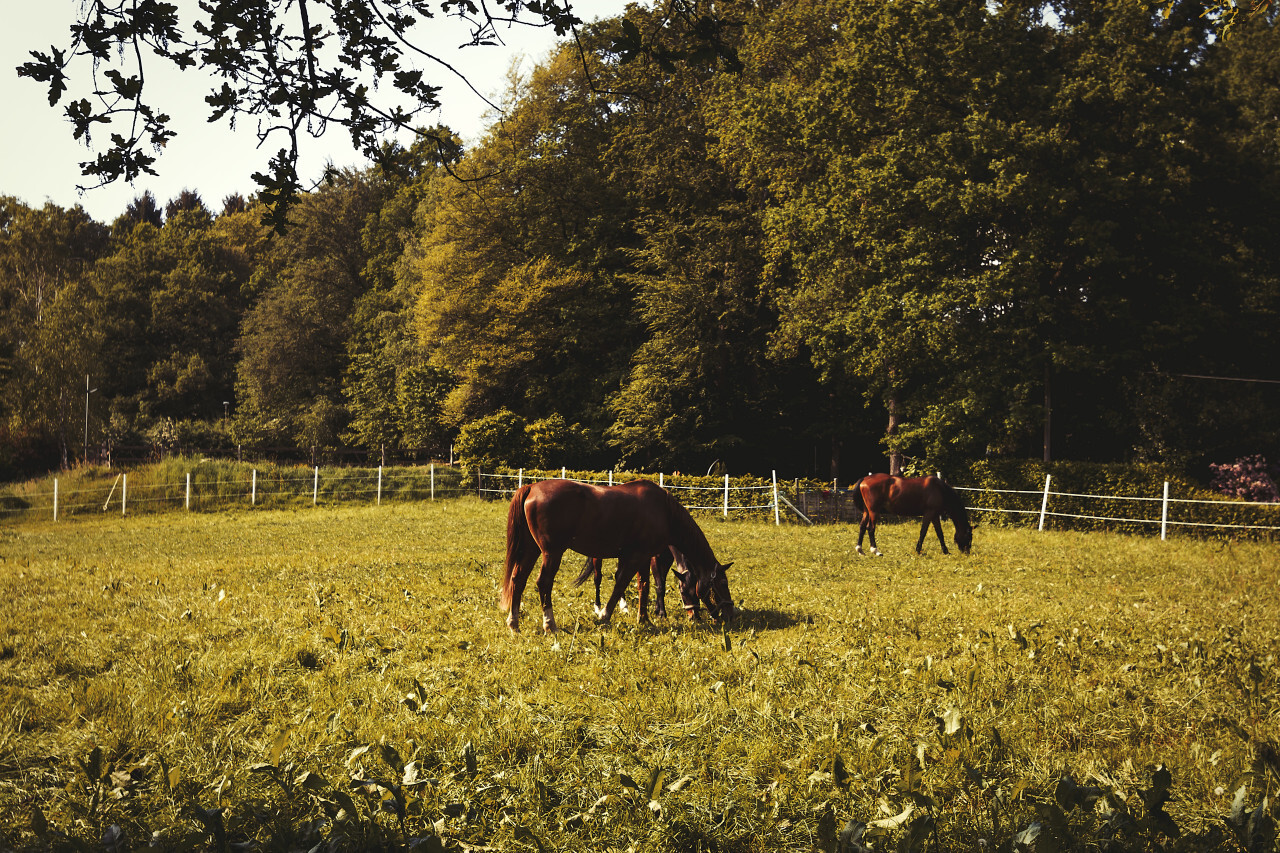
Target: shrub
[(496, 440), (1249, 478)]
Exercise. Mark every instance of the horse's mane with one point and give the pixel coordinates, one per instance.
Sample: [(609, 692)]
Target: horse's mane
[(955, 505), (691, 540)]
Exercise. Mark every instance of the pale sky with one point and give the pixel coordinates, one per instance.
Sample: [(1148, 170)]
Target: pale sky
[(39, 160)]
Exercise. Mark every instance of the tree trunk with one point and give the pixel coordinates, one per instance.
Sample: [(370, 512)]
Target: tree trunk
[(895, 455), (1048, 414)]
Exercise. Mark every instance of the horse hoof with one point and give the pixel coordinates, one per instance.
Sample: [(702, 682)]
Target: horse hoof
[(876, 552), (858, 551), (622, 605)]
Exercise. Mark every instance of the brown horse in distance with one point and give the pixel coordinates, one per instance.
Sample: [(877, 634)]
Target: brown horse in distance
[(632, 523), (927, 497)]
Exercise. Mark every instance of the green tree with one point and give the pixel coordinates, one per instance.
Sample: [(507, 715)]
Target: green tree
[(292, 348), (701, 384), (49, 337), (516, 272), (395, 398), (975, 198), (171, 304), (494, 441)]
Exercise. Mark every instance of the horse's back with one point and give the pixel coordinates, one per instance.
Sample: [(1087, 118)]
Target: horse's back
[(903, 495), (597, 521)]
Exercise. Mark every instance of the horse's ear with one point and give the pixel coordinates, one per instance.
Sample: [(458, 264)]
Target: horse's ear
[(680, 566), (726, 566)]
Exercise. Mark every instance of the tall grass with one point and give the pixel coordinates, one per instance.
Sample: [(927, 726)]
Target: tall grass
[(343, 678)]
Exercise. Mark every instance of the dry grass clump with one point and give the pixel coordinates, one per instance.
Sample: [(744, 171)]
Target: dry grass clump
[(286, 679)]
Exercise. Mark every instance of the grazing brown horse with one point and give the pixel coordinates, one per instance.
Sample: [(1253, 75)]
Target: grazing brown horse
[(632, 523), (658, 569), (928, 497)]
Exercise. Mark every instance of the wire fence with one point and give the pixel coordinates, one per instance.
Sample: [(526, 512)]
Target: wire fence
[(1133, 513), (207, 487), (731, 497)]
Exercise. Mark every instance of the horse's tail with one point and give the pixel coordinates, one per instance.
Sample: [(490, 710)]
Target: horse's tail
[(588, 569), (858, 503), (518, 541)]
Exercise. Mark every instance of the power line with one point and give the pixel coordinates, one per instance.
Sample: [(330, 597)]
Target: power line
[(1228, 378)]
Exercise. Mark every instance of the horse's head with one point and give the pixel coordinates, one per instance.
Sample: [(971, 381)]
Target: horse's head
[(964, 538), (713, 590), (709, 587)]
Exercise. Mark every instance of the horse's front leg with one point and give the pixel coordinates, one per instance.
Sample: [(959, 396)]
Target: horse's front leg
[(627, 569), (937, 528), (546, 578), (660, 567), (924, 529), (642, 584)]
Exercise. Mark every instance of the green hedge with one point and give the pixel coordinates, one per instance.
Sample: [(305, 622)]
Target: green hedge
[(995, 481)]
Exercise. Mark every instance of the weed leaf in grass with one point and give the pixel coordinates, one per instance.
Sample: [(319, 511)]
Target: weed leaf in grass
[(850, 840), (680, 784), (1027, 838), (656, 778), (391, 757), (278, 747), (1070, 795), (92, 766), (469, 759)]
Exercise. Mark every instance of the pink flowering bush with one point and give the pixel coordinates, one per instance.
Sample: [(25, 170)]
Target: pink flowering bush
[(1250, 478)]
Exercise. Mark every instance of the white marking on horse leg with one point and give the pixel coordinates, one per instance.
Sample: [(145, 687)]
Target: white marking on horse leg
[(876, 551), (622, 605), (548, 622), (599, 611), (513, 621), (858, 550)]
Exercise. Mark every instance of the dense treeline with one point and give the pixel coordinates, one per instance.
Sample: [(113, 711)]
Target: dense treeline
[(946, 231)]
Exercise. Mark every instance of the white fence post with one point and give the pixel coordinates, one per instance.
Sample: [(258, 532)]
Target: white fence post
[(661, 484), (520, 480), (563, 470), (1164, 512), (777, 515), (124, 491), (315, 487), (188, 503), (610, 478), (726, 495), (253, 489), (433, 481), (1044, 503), (379, 485), (55, 498)]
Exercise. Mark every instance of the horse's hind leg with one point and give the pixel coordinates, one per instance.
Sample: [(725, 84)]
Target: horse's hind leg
[(868, 526), (546, 578), (937, 528)]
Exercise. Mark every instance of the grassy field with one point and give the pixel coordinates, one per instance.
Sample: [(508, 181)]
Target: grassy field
[(287, 678)]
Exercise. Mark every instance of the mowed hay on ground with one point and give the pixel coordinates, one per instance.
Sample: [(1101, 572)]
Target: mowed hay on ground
[(343, 676)]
